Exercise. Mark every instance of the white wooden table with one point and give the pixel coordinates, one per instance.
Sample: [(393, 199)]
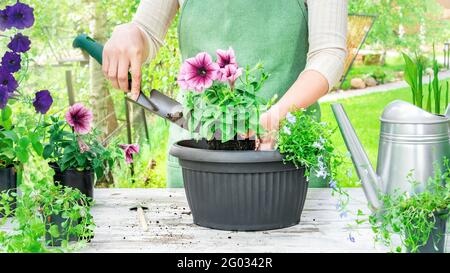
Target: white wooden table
[(171, 229)]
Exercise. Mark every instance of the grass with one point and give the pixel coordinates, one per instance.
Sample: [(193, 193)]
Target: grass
[(364, 113), (390, 67)]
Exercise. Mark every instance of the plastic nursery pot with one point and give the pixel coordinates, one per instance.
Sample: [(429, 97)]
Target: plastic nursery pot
[(436, 242), (57, 220), (81, 180), (8, 182), (240, 190)]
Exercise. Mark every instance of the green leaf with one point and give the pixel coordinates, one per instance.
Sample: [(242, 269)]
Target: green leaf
[(411, 75), (24, 142), (22, 155), (38, 148), (48, 151), (6, 114), (54, 231)]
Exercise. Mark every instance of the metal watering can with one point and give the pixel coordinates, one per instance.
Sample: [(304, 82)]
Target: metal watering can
[(411, 140)]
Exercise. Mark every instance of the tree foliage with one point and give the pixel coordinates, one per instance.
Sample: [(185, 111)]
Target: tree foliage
[(403, 23)]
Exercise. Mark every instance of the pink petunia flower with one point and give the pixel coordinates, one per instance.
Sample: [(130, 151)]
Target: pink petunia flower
[(80, 118), (199, 72), (181, 80), (82, 145), (232, 73), (129, 150), (226, 57)]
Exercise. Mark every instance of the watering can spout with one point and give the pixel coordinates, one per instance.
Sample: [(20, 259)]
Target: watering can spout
[(369, 179)]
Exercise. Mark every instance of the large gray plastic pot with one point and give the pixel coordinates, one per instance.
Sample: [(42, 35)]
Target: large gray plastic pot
[(240, 190)]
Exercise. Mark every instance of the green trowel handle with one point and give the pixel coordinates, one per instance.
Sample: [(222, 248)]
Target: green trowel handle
[(94, 49), (89, 45)]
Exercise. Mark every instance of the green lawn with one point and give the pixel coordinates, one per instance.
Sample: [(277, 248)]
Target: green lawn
[(364, 113), (392, 65)]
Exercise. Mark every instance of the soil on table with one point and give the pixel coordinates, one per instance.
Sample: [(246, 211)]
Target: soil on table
[(232, 145)]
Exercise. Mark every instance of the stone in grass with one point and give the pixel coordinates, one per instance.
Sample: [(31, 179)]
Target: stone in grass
[(370, 81), (357, 83)]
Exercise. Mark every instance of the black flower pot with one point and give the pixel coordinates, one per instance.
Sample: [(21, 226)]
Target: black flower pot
[(240, 190), (58, 220), (8, 182), (436, 242), (81, 180), (84, 181)]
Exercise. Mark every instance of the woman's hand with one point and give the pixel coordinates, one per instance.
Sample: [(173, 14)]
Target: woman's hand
[(270, 122), (126, 51)]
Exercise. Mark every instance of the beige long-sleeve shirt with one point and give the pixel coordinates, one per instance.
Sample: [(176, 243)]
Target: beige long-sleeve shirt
[(327, 30)]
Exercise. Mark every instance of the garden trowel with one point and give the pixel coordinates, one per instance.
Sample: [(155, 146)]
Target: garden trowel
[(156, 103)]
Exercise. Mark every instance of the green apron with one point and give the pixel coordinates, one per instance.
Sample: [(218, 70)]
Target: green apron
[(274, 33)]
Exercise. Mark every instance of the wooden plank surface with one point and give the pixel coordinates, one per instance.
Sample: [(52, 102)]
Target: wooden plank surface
[(171, 229), (170, 226)]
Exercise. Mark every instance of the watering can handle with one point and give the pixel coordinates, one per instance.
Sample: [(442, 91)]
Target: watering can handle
[(89, 45)]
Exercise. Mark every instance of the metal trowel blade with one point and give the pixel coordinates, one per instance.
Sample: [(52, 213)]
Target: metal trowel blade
[(162, 106)]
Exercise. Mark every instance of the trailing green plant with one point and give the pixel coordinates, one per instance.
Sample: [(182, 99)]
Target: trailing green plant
[(306, 142), (31, 228), (412, 217), (413, 76)]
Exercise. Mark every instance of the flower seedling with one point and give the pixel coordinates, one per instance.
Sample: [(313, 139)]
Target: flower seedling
[(74, 144), (222, 98)]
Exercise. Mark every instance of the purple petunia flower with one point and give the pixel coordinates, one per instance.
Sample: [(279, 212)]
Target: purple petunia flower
[(4, 24), (20, 15), (11, 61), (42, 101), (7, 80), (19, 43), (4, 96)]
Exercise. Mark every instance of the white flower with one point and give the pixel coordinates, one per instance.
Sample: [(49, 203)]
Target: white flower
[(287, 130), (318, 145), (333, 184), (290, 118), (322, 173), (322, 170), (320, 161), (322, 140)]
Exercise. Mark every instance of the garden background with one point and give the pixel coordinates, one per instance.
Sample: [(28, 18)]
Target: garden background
[(412, 26)]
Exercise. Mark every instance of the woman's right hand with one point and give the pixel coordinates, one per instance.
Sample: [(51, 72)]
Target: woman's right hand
[(125, 51)]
